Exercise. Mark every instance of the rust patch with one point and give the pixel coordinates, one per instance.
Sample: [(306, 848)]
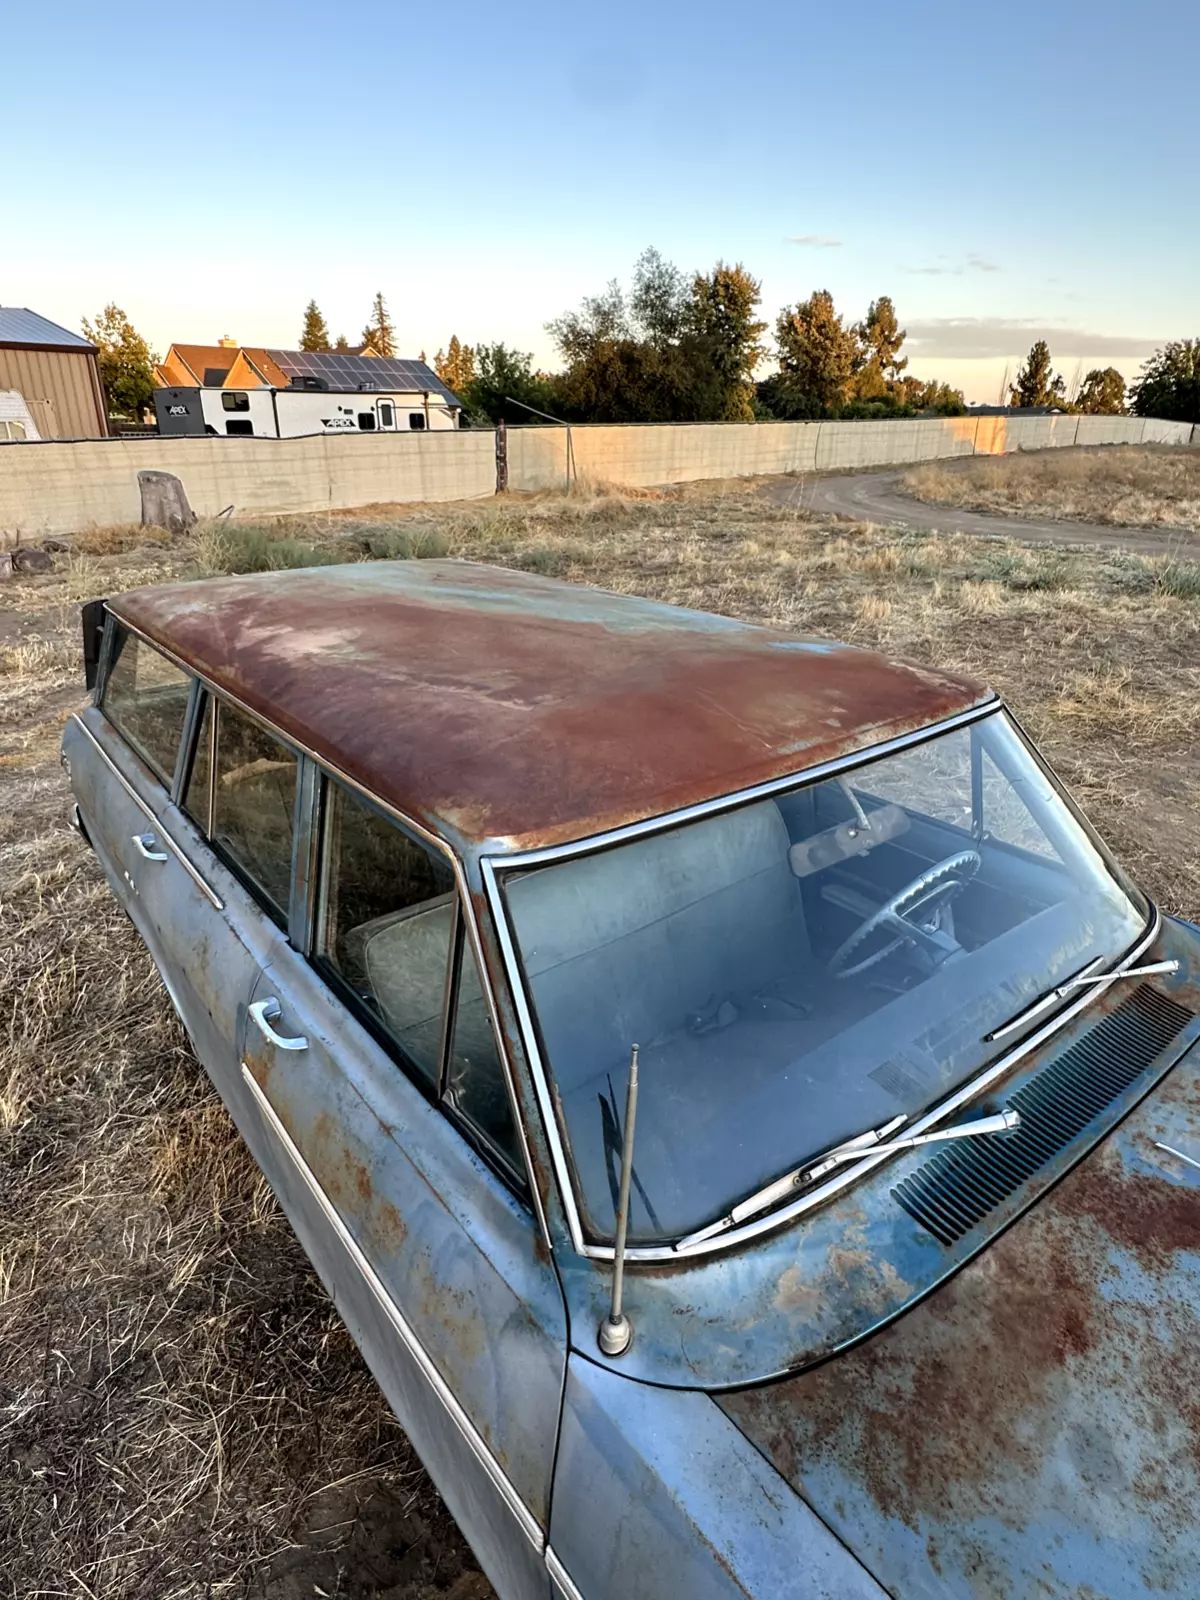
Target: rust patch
[(391, 1226), (1049, 1347), (494, 704)]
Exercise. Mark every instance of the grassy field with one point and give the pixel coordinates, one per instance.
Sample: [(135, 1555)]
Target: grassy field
[(1122, 486), (181, 1414)]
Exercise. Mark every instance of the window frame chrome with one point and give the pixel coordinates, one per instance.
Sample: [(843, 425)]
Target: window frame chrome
[(495, 867), (527, 1191)]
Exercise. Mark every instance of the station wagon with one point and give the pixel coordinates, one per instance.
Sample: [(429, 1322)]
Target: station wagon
[(746, 1118)]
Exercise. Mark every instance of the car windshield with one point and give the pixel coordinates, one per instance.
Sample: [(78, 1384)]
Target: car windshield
[(804, 967)]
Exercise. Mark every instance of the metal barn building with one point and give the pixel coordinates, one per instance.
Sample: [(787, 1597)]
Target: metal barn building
[(56, 372)]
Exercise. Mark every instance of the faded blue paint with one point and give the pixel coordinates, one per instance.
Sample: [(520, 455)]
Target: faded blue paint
[(1035, 1424), (656, 1493)]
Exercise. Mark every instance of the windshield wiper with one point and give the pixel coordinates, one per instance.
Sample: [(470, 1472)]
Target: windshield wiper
[(876, 1141), (1088, 976)]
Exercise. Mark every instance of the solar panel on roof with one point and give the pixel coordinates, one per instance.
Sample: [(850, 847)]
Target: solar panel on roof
[(341, 370)]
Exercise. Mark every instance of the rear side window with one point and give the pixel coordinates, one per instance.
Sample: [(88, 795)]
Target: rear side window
[(386, 924), (146, 697), (232, 401), (254, 806)]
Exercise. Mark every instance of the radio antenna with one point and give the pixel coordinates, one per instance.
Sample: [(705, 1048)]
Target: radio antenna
[(616, 1331)]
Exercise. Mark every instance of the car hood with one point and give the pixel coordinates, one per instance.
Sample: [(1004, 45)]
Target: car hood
[(1033, 1426)]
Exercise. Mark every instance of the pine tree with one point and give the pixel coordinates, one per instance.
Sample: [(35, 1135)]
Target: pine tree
[(315, 335), (379, 332), (1036, 384), (456, 366), (341, 342), (126, 362)]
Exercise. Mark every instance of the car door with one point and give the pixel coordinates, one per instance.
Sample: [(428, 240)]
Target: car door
[(372, 1058)]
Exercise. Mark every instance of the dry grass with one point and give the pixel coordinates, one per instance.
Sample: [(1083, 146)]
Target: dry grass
[(176, 1393), (1144, 486)]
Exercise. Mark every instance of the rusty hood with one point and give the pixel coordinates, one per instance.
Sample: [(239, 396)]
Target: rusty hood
[(1033, 1426)]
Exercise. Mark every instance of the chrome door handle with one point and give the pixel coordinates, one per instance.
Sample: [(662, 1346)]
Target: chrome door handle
[(264, 1013), (143, 842)]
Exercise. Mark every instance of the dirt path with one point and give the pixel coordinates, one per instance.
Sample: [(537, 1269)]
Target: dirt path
[(877, 497)]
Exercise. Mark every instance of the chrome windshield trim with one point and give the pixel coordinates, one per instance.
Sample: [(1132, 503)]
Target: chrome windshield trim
[(529, 1524), (492, 866), (739, 797), (324, 765), (159, 830)]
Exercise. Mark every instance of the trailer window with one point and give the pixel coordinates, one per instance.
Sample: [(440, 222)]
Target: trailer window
[(387, 415), (416, 419), (231, 400), (239, 425), (366, 421)]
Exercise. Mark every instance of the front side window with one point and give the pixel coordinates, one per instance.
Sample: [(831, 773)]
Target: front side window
[(231, 400), (475, 1083), (146, 696), (366, 421), (253, 806), (416, 420), (803, 969), (386, 924)]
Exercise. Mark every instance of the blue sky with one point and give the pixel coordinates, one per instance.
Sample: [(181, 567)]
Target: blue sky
[(1002, 173)]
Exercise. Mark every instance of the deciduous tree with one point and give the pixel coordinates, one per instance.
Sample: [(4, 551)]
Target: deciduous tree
[(1169, 385), (126, 362), (315, 335), (379, 332), (818, 356), (1102, 392), (1036, 384), (880, 337), (503, 375), (723, 316)]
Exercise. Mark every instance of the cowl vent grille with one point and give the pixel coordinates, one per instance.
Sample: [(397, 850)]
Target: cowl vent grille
[(955, 1190)]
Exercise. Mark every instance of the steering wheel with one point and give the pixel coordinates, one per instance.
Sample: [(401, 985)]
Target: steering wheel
[(929, 894)]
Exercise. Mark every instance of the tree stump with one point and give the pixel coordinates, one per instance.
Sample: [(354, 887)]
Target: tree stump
[(165, 502)]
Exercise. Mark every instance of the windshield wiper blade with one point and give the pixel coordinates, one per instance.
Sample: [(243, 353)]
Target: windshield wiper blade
[(876, 1141), (1079, 981)]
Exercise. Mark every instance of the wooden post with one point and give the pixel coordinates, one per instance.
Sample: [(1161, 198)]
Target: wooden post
[(501, 458)]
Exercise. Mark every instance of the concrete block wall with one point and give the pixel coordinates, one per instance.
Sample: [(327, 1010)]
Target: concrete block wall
[(60, 487), (646, 455), (55, 487)]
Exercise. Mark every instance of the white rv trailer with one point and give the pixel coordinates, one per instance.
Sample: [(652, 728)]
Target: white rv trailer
[(302, 408)]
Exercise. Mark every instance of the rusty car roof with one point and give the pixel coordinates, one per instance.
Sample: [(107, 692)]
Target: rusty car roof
[(505, 709)]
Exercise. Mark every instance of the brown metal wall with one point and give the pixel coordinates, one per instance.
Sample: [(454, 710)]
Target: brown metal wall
[(61, 389)]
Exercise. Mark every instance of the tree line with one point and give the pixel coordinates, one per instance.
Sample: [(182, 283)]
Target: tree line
[(686, 347)]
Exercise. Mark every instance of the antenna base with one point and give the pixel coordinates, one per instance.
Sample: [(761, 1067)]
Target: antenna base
[(615, 1335)]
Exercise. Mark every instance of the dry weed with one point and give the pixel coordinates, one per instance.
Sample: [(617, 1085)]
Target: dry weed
[(1143, 486), (176, 1392)]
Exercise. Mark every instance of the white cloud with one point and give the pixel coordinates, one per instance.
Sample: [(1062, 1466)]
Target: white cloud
[(955, 269), (972, 338), (814, 241)]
